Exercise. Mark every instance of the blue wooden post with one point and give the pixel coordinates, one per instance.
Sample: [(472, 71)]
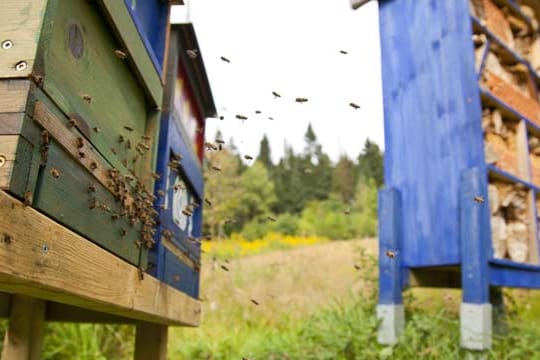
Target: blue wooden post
[(390, 308), (475, 248)]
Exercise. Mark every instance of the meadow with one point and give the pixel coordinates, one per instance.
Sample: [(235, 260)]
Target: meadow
[(306, 299)]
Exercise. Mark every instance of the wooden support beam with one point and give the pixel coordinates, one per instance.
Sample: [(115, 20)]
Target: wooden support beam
[(151, 342), (46, 260), (24, 335)]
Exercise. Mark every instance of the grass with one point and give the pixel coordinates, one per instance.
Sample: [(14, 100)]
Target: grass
[(312, 304)]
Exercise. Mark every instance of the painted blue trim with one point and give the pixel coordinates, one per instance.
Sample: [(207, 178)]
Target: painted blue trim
[(514, 275), (483, 61), (498, 173), (475, 237), (390, 215)]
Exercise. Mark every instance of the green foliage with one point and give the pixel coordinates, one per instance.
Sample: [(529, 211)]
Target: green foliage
[(265, 156), (344, 179), (370, 163), (257, 194), (285, 224)]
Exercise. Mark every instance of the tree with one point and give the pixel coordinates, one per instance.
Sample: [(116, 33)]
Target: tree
[(264, 156), (317, 169), (370, 163), (344, 178), (290, 189), (257, 195)]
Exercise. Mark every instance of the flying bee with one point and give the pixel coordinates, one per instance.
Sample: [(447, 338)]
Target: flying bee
[(191, 53), (255, 302), (479, 199), (257, 111), (301, 100), (219, 141), (241, 117), (146, 138), (391, 254), (121, 139), (120, 54), (347, 211), (343, 52), (87, 98), (270, 118), (177, 157), (357, 267), (80, 142), (271, 218), (55, 173), (248, 157), (178, 187), (224, 268), (223, 58), (276, 95), (208, 202), (216, 168), (354, 106), (222, 117), (156, 176), (186, 213), (128, 128), (307, 171), (96, 129)]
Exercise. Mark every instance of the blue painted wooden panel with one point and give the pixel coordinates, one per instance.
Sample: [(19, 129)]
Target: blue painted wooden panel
[(390, 218), (166, 266), (151, 17), (432, 120), (474, 223), (509, 274)]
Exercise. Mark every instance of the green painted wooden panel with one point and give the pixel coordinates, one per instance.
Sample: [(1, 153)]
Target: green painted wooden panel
[(88, 82), (66, 199)]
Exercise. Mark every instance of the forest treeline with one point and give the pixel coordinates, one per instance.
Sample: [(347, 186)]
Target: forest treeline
[(303, 194)]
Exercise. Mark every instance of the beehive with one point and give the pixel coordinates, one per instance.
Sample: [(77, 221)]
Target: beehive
[(180, 192), (79, 117), (462, 121)]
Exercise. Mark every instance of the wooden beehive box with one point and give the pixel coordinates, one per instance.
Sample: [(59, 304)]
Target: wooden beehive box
[(80, 100), (180, 191), (457, 97)]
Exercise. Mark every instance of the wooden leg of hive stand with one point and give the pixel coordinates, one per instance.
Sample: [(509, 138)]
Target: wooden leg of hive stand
[(390, 307), (150, 341), (24, 335), (475, 312)]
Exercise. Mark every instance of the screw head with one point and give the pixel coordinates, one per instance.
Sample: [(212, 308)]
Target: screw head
[(21, 66), (45, 249), (7, 44), (3, 160)]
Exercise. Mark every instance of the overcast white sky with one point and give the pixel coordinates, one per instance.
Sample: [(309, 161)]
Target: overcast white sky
[(292, 47)]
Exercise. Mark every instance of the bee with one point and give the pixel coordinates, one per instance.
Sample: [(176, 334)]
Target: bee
[(276, 95), (178, 187), (307, 171), (135, 158), (93, 166), (7, 239), (194, 240), (479, 199), (87, 98), (123, 232), (208, 202), (270, 118), (93, 203), (72, 122), (144, 146), (80, 142), (55, 173), (357, 267), (156, 176), (391, 254), (216, 168), (301, 100), (255, 302), (146, 138), (228, 221), (96, 129), (241, 117), (257, 112), (120, 54), (343, 52), (191, 53), (248, 157), (128, 128), (347, 211), (113, 150), (354, 106), (125, 163), (174, 164), (128, 144), (186, 213), (224, 268), (121, 139), (271, 218), (177, 157), (161, 193), (219, 141), (45, 137), (27, 198), (114, 216), (222, 117), (223, 58), (141, 273)]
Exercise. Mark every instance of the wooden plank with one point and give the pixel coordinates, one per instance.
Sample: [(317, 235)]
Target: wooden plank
[(522, 152), (168, 244), (57, 312), (151, 342), (13, 95), (532, 227), (127, 31), (11, 123), (46, 260), (8, 150), (24, 335), (21, 26)]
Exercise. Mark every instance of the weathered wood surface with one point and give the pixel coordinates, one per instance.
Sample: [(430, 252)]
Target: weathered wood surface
[(151, 342), (24, 335), (8, 150), (13, 95), (45, 260), (20, 25)]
